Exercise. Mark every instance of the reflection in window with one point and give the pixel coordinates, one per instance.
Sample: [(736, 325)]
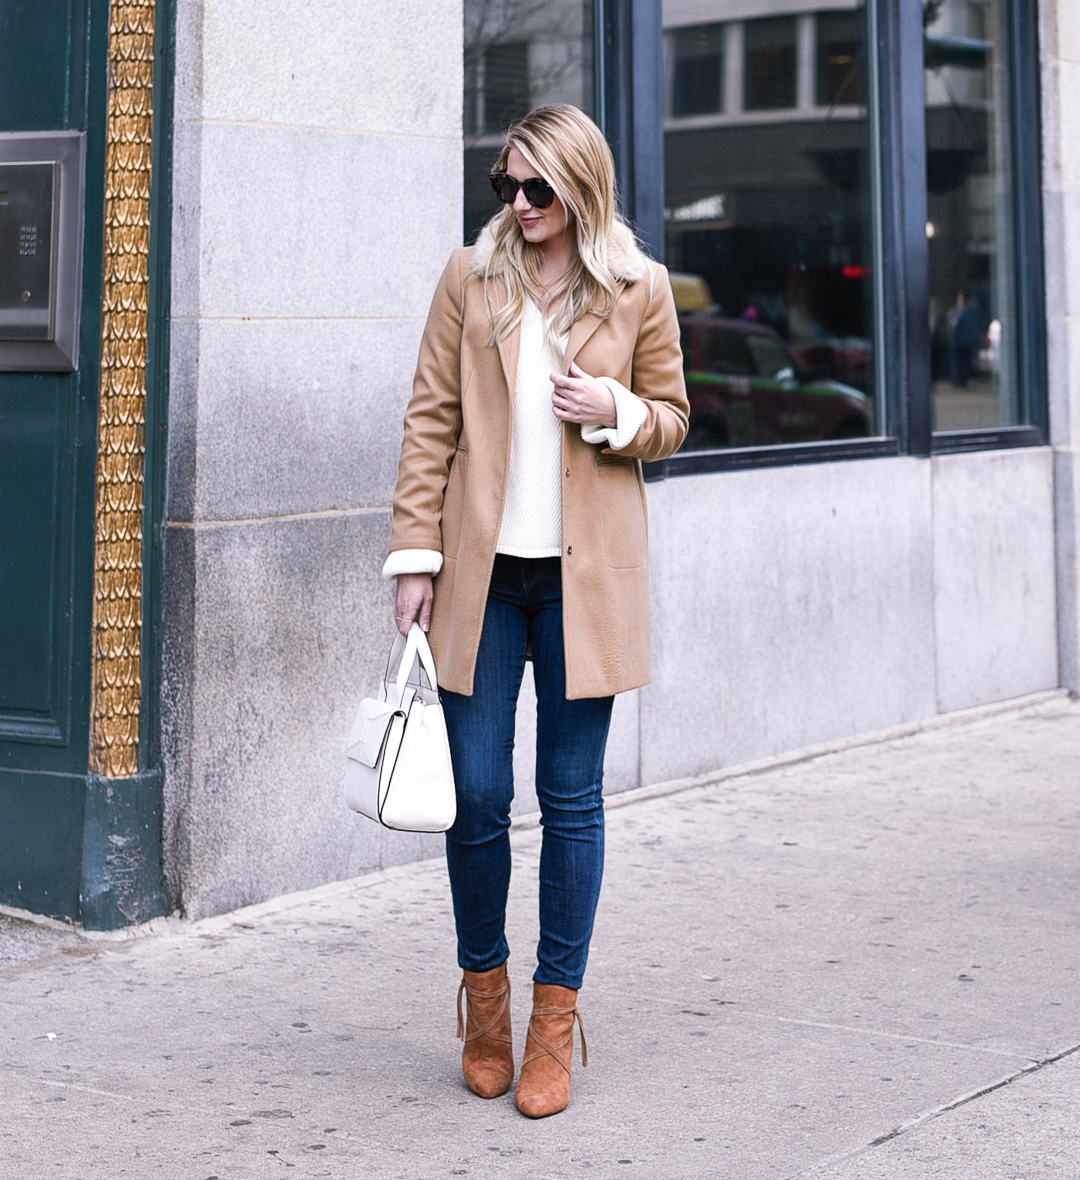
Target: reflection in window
[(840, 55), (519, 54), (971, 210), (723, 350), (506, 85), (770, 62), (697, 86), (768, 230), (771, 359)]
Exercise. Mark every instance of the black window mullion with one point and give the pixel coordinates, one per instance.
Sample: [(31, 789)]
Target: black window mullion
[(1026, 116), (647, 56), (632, 109), (903, 290), (615, 99)]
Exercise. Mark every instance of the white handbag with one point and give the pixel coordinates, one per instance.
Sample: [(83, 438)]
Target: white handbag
[(398, 768)]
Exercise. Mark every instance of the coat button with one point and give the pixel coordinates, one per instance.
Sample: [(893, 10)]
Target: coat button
[(568, 473), (569, 550)]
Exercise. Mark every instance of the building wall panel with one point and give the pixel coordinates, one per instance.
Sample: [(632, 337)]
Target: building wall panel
[(317, 173), (994, 595), (791, 606)]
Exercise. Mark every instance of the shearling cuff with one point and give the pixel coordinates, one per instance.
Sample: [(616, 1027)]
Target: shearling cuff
[(630, 415), (412, 561)]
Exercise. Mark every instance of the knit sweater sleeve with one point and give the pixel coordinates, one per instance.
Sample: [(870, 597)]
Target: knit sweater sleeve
[(630, 415), (412, 561)]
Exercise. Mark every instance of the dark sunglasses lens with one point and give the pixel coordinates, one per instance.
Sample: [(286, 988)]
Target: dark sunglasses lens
[(505, 187), (538, 192)]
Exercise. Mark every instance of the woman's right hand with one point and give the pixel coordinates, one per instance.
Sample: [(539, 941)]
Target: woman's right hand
[(414, 597)]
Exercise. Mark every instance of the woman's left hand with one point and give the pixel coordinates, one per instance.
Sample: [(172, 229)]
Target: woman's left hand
[(581, 398)]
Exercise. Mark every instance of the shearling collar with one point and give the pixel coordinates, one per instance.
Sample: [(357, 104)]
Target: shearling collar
[(628, 264)]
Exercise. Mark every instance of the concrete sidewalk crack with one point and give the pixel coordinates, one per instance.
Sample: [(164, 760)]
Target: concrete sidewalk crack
[(929, 1115), (870, 1031), (86, 1089)]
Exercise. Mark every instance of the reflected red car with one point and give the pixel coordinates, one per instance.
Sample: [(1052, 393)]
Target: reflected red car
[(747, 389)]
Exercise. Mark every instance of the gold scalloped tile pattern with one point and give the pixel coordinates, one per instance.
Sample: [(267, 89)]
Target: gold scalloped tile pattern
[(117, 651)]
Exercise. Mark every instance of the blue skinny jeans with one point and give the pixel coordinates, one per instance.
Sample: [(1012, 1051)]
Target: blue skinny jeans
[(524, 607)]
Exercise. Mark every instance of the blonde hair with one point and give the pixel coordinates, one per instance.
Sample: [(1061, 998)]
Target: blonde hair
[(569, 151)]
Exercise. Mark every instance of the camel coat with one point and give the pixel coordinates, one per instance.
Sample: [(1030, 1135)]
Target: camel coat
[(455, 461)]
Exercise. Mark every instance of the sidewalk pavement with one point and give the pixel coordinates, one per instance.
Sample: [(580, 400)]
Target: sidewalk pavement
[(860, 967)]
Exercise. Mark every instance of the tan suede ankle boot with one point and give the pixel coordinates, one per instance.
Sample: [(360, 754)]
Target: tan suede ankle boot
[(544, 1085), (488, 1057)]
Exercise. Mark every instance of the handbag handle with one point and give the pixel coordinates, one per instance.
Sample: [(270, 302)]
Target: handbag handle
[(416, 646)]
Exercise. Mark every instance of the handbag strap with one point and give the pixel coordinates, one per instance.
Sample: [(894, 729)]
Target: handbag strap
[(416, 647)]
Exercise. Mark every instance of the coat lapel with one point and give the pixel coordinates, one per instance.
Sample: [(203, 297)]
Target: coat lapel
[(509, 347), (579, 337)]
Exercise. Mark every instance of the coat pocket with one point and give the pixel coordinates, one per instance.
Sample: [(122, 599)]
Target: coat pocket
[(622, 505), (454, 503)]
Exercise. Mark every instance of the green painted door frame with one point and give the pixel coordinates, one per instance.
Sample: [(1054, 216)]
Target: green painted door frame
[(74, 845)]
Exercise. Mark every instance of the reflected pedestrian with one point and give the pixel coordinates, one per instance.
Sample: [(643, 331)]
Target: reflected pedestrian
[(963, 338)]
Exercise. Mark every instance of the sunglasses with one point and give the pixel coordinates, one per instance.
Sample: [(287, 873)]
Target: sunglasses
[(537, 192)]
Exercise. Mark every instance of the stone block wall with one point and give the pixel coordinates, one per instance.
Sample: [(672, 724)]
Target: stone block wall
[(317, 171)]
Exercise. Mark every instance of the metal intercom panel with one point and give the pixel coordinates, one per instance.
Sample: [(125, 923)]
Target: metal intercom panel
[(41, 223)]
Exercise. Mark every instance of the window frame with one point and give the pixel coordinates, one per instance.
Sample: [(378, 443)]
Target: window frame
[(1028, 276), (630, 100)]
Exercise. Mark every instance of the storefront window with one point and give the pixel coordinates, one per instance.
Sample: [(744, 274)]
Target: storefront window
[(971, 210), (519, 54), (771, 162), (768, 220)]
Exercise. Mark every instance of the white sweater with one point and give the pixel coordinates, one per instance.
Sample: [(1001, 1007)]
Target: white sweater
[(532, 516)]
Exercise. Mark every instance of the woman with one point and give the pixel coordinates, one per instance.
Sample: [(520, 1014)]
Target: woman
[(550, 366)]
